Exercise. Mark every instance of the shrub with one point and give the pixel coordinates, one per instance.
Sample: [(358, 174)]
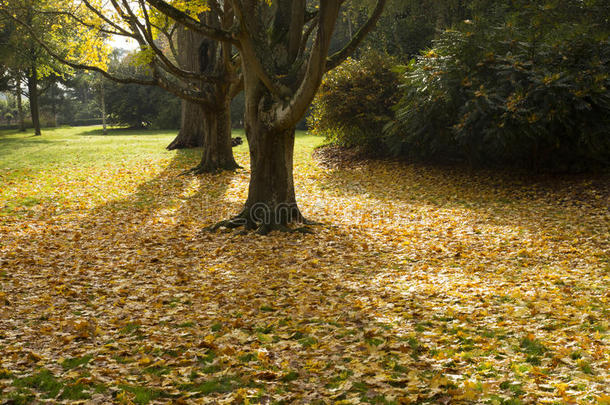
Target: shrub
[(355, 101), (509, 94)]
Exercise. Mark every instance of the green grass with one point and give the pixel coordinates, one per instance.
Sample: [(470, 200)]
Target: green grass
[(51, 386), (80, 146), (74, 362), (43, 381), (142, 395), (87, 146), (67, 168)]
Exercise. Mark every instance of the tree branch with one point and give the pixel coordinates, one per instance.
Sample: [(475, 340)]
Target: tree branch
[(189, 22), (338, 58), (156, 80)]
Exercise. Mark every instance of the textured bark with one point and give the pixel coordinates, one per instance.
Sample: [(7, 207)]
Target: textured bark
[(33, 97), (192, 125), (217, 151), (103, 105), (271, 199), (207, 127)]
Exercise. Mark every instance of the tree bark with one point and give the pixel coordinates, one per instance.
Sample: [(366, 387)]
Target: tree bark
[(271, 203), (20, 105), (33, 97), (200, 126), (192, 127), (217, 150)]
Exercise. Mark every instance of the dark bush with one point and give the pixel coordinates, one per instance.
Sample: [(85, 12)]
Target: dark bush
[(514, 94)]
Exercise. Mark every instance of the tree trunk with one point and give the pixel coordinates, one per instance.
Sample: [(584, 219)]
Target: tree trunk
[(192, 127), (103, 106), (271, 203), (53, 105), (20, 106), (33, 97), (217, 149)]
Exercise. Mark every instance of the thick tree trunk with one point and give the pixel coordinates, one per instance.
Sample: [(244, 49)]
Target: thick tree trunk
[(271, 203), (33, 97), (192, 127), (20, 106), (217, 149)]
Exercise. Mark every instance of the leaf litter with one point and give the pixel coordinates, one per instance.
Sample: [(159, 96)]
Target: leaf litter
[(424, 285)]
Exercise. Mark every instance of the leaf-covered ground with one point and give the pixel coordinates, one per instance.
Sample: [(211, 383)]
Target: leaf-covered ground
[(424, 285)]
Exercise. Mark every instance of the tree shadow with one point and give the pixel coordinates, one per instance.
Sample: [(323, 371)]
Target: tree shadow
[(125, 132), (503, 197), (141, 271), (9, 146), (353, 310)]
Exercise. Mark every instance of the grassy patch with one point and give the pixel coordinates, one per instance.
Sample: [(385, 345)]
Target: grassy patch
[(75, 362), (532, 346), (289, 376), (130, 328), (222, 384), (43, 381), (142, 395)]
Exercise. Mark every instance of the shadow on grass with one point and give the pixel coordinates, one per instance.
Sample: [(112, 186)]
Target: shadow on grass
[(9, 146), (151, 244), (126, 132), (505, 197)]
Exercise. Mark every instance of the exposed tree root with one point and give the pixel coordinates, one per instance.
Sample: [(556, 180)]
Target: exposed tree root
[(244, 219)]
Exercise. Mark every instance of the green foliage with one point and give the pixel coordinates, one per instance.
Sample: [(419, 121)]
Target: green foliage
[(139, 106), (530, 92), (355, 101)]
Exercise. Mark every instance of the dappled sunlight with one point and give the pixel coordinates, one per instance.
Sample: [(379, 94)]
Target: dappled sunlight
[(420, 285)]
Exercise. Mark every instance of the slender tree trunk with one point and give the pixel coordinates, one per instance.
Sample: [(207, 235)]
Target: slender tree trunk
[(20, 106), (33, 97), (53, 105), (103, 106)]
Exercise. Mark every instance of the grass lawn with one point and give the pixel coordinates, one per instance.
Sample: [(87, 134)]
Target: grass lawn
[(424, 285)]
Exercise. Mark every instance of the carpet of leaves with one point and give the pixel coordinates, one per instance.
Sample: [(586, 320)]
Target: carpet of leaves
[(423, 285)]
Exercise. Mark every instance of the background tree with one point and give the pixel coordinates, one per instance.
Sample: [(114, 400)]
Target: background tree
[(23, 53), (192, 124), (155, 34), (134, 105)]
